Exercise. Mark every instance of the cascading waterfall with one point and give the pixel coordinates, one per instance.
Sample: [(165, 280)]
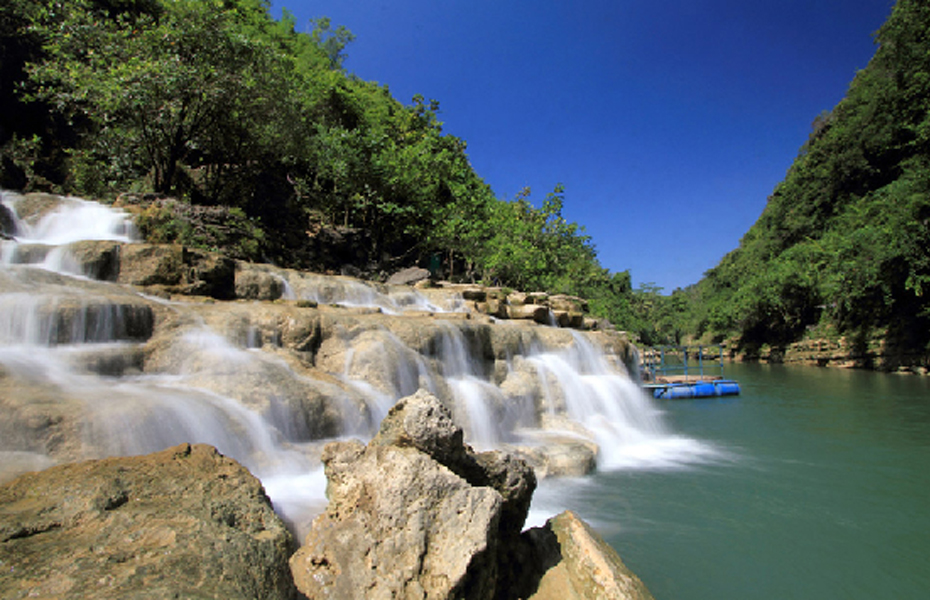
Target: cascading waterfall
[(475, 397), (74, 220), (88, 348), (627, 426)]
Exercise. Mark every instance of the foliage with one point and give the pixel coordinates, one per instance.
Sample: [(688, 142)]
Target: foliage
[(843, 240), (216, 104)]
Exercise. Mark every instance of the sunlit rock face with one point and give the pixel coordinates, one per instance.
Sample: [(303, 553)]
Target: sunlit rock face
[(112, 347), (437, 527), (184, 522)]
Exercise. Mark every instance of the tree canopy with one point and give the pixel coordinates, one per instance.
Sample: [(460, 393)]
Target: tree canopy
[(214, 102)]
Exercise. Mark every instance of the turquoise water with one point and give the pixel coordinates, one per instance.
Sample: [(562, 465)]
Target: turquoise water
[(820, 489)]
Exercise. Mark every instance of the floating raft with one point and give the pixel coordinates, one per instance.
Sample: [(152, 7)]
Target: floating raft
[(672, 372), (693, 389)]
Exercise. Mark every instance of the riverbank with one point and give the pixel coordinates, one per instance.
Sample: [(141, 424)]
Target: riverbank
[(873, 353)]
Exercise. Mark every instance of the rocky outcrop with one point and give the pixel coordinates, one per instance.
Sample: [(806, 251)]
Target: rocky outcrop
[(408, 276), (848, 352), (178, 270), (185, 522), (572, 562), (253, 284), (418, 514), (415, 514)]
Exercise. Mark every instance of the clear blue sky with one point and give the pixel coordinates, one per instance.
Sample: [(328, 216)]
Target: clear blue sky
[(668, 121)]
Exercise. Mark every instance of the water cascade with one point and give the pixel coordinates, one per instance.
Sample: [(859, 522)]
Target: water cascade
[(93, 368)]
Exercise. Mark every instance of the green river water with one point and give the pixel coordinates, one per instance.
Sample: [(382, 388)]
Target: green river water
[(820, 489)]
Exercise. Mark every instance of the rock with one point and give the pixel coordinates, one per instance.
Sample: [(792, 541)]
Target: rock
[(540, 298), (258, 285), (184, 522), (7, 222), (475, 294), (408, 276), (534, 312), (150, 264), (561, 318), (97, 259), (416, 514), (568, 303), (209, 274), (578, 564), (179, 270), (31, 207)]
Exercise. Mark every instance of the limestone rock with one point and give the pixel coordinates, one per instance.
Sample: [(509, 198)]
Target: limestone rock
[(149, 264), (568, 303), (97, 259), (408, 276), (180, 270), (258, 285), (475, 294), (185, 522), (416, 514), (533, 312), (35, 205), (579, 565)]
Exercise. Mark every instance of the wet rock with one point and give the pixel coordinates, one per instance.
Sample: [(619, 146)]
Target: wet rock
[(568, 303), (96, 259), (150, 264), (7, 222), (31, 207), (184, 522), (258, 285)]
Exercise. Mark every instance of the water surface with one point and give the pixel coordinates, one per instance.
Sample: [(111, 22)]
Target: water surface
[(820, 489)]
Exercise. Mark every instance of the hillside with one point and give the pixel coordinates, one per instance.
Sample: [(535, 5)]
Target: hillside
[(842, 248), (218, 105)]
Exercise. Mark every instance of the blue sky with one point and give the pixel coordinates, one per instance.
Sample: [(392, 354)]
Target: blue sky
[(668, 121)]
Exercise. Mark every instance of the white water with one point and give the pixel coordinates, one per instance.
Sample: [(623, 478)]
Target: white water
[(352, 293), (211, 395), (74, 220)]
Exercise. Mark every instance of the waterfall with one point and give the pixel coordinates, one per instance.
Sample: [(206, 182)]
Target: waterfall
[(72, 220), (626, 424), (348, 292), (91, 369)]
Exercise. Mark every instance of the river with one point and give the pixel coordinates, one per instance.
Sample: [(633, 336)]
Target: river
[(819, 489)]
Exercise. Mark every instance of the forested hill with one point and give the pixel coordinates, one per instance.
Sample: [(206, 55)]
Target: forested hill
[(219, 105), (843, 245)]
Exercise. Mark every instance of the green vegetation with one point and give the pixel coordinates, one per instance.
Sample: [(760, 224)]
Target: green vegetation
[(843, 245), (216, 104)]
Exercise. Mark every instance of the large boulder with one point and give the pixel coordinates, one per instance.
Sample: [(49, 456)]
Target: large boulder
[(258, 285), (577, 564), (408, 276), (178, 270), (185, 522), (415, 514)]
